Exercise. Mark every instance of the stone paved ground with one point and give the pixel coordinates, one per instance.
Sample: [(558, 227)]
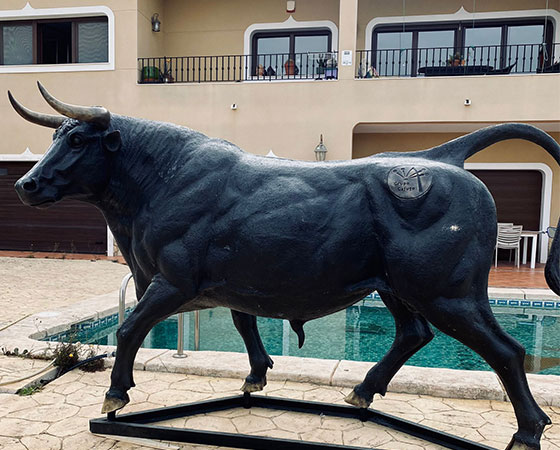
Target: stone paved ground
[(14, 368), (32, 285), (57, 417)]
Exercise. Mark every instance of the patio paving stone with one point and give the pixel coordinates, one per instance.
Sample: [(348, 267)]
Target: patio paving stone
[(56, 283), (55, 418)]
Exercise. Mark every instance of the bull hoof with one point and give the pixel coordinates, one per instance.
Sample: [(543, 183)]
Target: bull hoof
[(114, 401), (516, 445), (356, 400), (253, 386)]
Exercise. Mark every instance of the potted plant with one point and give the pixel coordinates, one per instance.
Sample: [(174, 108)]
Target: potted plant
[(322, 59), (290, 67), (167, 76), (455, 60), (150, 74), (331, 68)]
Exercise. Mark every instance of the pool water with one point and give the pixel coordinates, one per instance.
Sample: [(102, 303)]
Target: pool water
[(359, 333)]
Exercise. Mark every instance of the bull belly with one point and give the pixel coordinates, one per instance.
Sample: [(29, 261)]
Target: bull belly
[(300, 306)]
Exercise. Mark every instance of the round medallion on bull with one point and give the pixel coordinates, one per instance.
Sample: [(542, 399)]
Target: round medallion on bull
[(408, 182)]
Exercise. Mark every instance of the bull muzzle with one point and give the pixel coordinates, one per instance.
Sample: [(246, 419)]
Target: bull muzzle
[(27, 188)]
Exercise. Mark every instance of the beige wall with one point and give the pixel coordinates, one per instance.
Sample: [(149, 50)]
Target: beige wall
[(110, 87), (37, 4), (150, 44), (217, 27), (512, 151), (369, 9), (288, 117)]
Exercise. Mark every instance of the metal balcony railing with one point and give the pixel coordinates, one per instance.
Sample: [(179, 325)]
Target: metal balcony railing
[(262, 67), (453, 61)]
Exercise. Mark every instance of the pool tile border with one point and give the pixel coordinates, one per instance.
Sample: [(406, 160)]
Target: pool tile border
[(512, 297), (413, 380)]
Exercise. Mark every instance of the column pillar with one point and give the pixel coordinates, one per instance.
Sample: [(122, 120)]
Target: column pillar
[(347, 31)]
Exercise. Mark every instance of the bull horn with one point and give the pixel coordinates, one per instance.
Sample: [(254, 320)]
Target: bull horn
[(46, 120), (93, 114)]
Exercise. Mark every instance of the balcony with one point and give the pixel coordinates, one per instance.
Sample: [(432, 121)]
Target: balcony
[(450, 61), (237, 68)]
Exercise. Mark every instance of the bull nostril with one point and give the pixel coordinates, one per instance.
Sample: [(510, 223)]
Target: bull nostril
[(30, 185)]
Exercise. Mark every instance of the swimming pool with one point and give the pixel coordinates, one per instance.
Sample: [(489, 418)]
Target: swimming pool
[(363, 332)]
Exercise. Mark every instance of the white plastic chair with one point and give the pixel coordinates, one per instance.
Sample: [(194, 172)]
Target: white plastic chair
[(509, 238)]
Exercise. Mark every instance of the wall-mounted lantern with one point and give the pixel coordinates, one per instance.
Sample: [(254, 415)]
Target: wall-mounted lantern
[(320, 151), (156, 24)]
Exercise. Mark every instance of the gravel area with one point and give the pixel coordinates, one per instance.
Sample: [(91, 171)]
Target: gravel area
[(32, 285)]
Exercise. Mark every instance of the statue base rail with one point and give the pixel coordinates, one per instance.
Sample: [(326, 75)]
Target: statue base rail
[(141, 425)]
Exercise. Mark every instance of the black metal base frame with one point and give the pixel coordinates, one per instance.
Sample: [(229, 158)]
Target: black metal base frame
[(140, 425)]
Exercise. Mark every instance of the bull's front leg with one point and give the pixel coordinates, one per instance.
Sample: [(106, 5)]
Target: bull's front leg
[(160, 300), (259, 360)]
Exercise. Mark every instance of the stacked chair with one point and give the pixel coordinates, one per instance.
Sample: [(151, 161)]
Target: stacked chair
[(509, 238)]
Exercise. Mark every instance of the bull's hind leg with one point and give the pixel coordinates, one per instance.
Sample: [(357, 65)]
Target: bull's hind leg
[(471, 321), (259, 360), (412, 333), (160, 300)]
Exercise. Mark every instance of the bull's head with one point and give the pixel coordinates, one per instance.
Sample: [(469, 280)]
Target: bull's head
[(76, 164)]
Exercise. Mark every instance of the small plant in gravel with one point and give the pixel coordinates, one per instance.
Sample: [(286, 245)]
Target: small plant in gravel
[(66, 355), (29, 390), (95, 365)]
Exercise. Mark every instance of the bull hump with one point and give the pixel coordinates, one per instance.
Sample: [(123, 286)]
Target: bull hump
[(409, 181)]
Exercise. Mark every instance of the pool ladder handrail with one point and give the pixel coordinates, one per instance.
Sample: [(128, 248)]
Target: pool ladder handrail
[(180, 322)]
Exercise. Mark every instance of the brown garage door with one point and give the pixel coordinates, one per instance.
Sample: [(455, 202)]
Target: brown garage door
[(517, 194), (69, 226)]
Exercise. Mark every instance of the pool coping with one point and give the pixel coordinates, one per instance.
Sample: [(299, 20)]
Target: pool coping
[(438, 382)]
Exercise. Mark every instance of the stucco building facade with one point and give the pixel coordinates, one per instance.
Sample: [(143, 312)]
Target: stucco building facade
[(368, 75)]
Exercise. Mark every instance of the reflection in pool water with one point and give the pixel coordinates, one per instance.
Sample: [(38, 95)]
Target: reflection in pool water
[(360, 333)]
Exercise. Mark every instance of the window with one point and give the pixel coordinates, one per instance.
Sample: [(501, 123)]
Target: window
[(494, 45), (57, 41), (290, 53)]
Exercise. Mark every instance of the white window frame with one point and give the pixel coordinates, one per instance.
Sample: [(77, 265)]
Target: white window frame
[(462, 15), (289, 24), (30, 13)]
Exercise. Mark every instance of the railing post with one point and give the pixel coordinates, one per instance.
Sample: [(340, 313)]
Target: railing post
[(197, 330), (180, 336), (122, 295)]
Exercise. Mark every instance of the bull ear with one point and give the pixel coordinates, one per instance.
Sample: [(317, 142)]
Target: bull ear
[(112, 141)]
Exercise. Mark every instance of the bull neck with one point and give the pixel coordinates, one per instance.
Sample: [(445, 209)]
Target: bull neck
[(143, 169)]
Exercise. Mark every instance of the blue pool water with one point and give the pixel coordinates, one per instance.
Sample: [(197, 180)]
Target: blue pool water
[(363, 332)]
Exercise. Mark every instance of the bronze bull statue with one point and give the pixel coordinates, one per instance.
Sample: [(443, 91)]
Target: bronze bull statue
[(203, 224)]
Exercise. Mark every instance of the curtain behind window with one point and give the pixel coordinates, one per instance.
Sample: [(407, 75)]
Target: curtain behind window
[(93, 42), (18, 44)]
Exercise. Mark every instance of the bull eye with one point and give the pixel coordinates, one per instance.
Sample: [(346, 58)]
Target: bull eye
[(76, 141)]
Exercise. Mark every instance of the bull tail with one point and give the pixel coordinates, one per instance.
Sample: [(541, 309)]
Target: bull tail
[(455, 152), (552, 268)]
